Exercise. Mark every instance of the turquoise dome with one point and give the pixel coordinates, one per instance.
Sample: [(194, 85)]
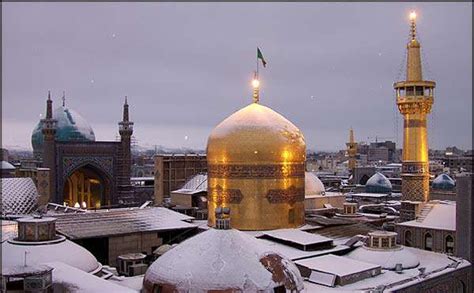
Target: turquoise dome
[(70, 127), (443, 182), (378, 183)]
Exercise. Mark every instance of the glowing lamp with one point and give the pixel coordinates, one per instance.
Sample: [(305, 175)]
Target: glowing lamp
[(412, 15), (255, 83)]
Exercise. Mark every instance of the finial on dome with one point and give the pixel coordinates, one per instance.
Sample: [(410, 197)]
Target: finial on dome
[(413, 25), (64, 98), (256, 88)]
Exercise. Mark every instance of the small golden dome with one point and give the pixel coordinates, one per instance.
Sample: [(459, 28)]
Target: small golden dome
[(256, 163), (256, 134)]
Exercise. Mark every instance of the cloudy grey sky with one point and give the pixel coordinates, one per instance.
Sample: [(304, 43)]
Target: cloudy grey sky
[(187, 66)]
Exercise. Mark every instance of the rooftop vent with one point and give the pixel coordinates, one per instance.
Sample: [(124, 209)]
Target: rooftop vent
[(398, 268)]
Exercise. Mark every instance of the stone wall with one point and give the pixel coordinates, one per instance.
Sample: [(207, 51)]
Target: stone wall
[(138, 242), (457, 281), (418, 237)]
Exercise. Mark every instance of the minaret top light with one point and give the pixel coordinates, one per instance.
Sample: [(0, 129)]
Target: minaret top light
[(412, 15)]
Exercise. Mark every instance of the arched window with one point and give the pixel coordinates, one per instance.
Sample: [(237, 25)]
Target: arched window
[(408, 240), (449, 244), (428, 242)]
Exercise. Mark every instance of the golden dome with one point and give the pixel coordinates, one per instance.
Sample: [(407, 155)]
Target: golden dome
[(256, 163), (256, 134)]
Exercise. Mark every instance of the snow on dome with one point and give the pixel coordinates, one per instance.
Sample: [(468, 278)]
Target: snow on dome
[(71, 126), (378, 183), (387, 258), (443, 182), (224, 260), (7, 166), (256, 133), (313, 185), (19, 196), (68, 252)]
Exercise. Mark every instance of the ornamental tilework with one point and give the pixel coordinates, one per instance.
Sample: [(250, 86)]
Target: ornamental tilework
[(257, 171), (232, 196), (71, 163), (290, 195)]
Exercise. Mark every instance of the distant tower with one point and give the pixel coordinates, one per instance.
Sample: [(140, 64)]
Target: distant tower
[(351, 151), (49, 149), (125, 131), (414, 101)]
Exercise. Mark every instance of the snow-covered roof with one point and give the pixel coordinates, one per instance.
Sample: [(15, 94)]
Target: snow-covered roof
[(434, 264), (220, 260), (134, 283), (7, 166), (295, 253), (75, 280), (296, 237), (386, 258), (197, 184), (13, 254), (337, 265), (19, 196), (368, 195), (102, 223), (439, 215)]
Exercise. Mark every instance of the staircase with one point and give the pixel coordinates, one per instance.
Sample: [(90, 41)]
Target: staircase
[(424, 212)]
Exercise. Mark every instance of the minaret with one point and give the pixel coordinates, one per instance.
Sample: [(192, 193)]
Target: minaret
[(351, 151), (49, 145), (414, 100), (125, 131)]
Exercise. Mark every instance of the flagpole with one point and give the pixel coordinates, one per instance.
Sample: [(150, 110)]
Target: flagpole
[(257, 63)]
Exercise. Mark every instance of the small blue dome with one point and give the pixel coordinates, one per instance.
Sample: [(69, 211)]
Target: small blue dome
[(443, 182), (378, 183), (70, 127)]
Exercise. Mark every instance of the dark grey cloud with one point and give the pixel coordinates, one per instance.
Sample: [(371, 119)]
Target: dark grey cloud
[(186, 66)]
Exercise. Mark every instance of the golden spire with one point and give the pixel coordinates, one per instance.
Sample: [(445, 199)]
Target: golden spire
[(414, 70), (256, 88), (413, 25), (351, 136)]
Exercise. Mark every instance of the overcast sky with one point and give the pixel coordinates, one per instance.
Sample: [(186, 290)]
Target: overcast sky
[(187, 66)]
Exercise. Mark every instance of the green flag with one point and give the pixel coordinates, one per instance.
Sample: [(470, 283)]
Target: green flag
[(260, 56)]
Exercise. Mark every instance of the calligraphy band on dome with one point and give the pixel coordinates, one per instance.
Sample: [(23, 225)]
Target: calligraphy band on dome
[(294, 170)]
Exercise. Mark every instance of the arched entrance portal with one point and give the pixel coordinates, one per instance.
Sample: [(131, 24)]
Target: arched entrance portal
[(86, 188)]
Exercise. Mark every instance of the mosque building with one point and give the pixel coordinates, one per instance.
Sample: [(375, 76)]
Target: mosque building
[(83, 172), (256, 237)]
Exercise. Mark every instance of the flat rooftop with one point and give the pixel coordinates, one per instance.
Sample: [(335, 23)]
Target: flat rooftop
[(441, 215), (297, 238), (336, 265)]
